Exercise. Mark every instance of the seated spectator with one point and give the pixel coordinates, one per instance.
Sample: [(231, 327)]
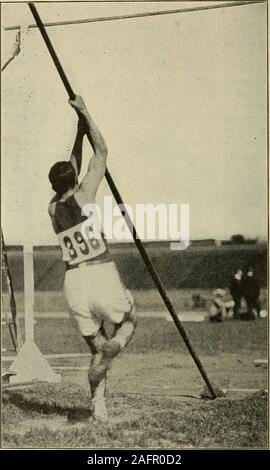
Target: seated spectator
[(217, 308)]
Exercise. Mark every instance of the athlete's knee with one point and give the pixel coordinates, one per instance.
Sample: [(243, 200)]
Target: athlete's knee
[(131, 316), (95, 342)]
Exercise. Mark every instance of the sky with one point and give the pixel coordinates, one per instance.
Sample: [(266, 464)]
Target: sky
[(180, 100)]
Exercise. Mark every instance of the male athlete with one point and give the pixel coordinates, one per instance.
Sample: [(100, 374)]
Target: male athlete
[(93, 288)]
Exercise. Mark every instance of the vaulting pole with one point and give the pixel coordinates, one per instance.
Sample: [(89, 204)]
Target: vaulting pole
[(138, 242)]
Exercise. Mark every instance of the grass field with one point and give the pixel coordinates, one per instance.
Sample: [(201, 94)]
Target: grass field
[(153, 391)]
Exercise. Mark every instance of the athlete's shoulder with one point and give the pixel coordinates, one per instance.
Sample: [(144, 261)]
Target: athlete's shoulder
[(55, 198)]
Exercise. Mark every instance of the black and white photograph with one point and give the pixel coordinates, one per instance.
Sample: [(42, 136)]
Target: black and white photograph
[(134, 227)]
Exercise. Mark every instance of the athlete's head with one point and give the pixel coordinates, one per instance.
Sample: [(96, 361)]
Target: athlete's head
[(62, 177)]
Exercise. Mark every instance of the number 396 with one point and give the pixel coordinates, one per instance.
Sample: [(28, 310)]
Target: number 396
[(80, 244)]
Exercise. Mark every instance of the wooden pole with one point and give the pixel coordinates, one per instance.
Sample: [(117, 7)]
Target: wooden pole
[(28, 263), (131, 227)]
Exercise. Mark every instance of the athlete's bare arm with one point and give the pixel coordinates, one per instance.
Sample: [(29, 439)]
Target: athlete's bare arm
[(97, 165), (76, 154)]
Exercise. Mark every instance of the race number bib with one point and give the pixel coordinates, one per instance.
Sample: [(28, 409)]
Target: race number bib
[(77, 248)]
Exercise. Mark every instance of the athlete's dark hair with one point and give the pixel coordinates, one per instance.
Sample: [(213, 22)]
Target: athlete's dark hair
[(62, 177)]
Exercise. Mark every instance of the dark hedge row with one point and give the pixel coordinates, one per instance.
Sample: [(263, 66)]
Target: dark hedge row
[(196, 267)]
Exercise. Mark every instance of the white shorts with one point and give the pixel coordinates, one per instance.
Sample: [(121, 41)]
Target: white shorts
[(95, 293)]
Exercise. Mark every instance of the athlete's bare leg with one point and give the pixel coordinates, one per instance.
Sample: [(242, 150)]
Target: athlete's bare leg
[(99, 365), (103, 351)]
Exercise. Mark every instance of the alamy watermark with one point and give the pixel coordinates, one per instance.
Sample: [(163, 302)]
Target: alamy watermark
[(152, 222)]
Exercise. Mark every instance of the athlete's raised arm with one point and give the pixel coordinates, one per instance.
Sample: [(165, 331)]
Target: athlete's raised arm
[(97, 165), (76, 154)]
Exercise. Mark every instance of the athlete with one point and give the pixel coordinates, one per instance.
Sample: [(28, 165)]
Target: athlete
[(93, 288)]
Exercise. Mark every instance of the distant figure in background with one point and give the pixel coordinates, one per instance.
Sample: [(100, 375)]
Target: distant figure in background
[(217, 309), (236, 291), (251, 293), (198, 301)]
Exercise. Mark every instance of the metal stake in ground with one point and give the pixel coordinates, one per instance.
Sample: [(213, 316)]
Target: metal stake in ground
[(129, 223)]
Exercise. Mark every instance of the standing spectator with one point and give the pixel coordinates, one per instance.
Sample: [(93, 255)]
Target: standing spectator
[(251, 293), (236, 292)]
